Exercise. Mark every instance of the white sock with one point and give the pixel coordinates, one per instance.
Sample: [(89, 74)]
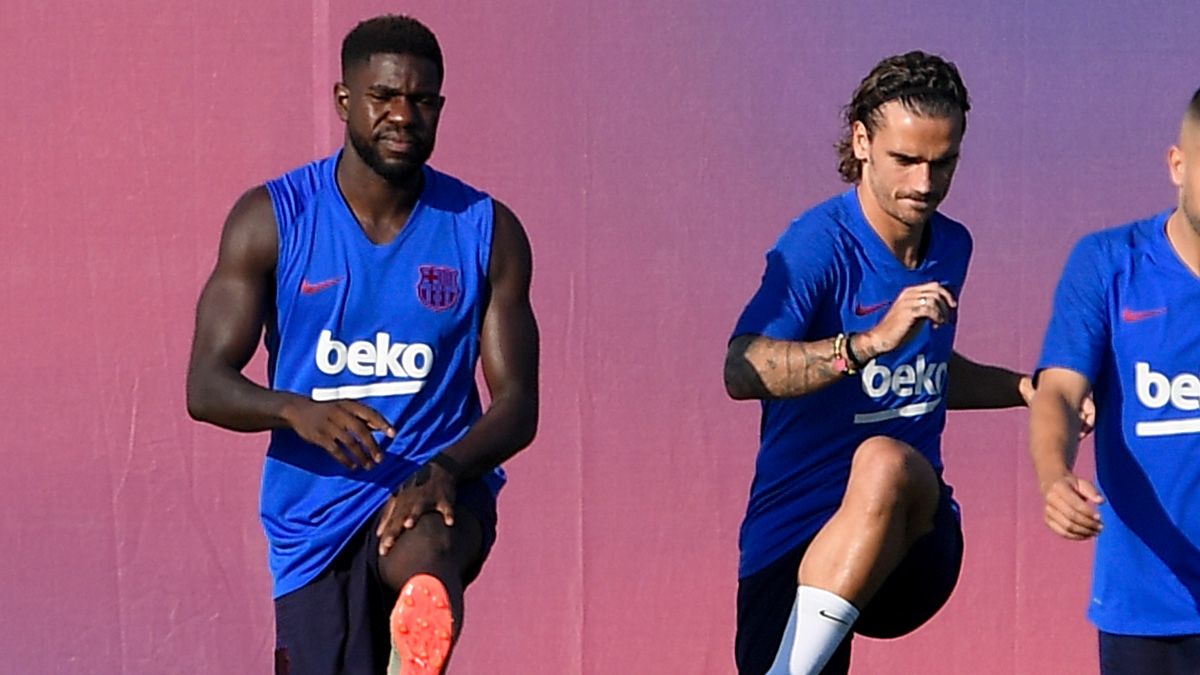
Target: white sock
[(819, 622)]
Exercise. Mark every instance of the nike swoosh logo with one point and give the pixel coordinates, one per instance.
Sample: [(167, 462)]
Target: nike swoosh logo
[(308, 289), (863, 310), (1132, 315), (831, 617)]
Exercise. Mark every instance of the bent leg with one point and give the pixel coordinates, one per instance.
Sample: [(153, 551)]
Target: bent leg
[(889, 504), (429, 568)]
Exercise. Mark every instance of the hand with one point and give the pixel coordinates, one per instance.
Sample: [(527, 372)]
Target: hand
[(342, 428), (914, 306), (1026, 390), (430, 489), (1071, 507)]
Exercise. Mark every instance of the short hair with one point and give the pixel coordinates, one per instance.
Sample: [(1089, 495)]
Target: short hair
[(390, 34), (1193, 110), (924, 83)]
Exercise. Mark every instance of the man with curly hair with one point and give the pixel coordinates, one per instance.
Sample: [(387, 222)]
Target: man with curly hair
[(848, 343)]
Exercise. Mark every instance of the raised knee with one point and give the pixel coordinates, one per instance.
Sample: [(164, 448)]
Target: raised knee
[(885, 461), (432, 536), (892, 472)]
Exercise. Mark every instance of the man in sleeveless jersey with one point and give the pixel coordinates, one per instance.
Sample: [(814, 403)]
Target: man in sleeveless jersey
[(848, 343), (380, 283), (1125, 327)]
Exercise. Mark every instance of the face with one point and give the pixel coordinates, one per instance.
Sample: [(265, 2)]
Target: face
[(391, 106), (908, 164), (1184, 161)]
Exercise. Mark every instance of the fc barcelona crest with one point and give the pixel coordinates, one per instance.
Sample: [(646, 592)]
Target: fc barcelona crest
[(437, 287)]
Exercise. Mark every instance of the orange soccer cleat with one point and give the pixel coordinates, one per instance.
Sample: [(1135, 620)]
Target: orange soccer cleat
[(422, 628)]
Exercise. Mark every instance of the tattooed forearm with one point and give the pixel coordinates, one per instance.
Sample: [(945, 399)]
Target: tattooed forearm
[(759, 367)]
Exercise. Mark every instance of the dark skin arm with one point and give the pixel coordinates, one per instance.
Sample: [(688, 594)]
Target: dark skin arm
[(509, 356), (229, 322), (975, 386), (982, 387)]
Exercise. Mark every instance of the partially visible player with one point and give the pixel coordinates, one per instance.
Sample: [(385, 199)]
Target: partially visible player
[(380, 283), (849, 344), (1126, 325)]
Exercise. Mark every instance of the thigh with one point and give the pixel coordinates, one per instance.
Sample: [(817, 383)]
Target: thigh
[(432, 546), (922, 582), (764, 605)]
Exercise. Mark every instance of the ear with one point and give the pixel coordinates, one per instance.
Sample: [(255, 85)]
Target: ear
[(861, 141), (1175, 162), (341, 100)]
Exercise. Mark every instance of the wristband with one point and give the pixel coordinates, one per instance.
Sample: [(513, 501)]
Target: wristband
[(858, 363), (448, 463)]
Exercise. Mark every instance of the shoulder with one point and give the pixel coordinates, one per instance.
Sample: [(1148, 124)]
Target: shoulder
[(818, 235), (510, 244), (250, 236), (292, 192), (453, 195), (1109, 248)]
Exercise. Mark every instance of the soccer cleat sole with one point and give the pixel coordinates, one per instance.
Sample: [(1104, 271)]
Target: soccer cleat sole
[(422, 627)]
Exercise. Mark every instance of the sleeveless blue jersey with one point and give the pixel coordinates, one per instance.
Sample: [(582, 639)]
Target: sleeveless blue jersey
[(394, 326), (831, 273), (1125, 316)]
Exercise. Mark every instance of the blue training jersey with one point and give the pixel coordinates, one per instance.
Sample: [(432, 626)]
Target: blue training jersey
[(831, 273), (394, 326), (1125, 316)]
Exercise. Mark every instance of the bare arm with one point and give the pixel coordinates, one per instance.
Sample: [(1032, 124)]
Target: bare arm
[(763, 368), (229, 323), (975, 386), (509, 355), (758, 367), (1054, 424)]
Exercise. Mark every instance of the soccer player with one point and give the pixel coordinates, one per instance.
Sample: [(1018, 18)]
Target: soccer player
[(1125, 327), (380, 283), (849, 344)]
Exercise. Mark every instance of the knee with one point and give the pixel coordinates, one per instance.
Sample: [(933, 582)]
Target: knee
[(893, 472), (428, 547)]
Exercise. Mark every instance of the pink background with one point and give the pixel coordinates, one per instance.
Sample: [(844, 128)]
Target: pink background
[(653, 150)]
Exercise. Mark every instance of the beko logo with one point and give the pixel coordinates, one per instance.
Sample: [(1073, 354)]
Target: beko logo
[(409, 363), (916, 379), (1156, 391)]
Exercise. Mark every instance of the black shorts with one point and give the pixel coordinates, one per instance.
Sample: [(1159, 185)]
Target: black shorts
[(338, 622), (1154, 655), (910, 596)]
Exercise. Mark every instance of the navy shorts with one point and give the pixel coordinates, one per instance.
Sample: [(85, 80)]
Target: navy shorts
[(1153, 655), (915, 591), (338, 622)]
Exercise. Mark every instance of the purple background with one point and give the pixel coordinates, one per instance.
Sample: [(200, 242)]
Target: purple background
[(653, 150)]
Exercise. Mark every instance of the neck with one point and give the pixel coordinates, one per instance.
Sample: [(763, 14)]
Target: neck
[(379, 204), (902, 239), (1184, 239)]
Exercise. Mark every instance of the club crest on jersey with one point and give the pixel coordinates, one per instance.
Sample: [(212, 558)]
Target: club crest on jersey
[(437, 287)]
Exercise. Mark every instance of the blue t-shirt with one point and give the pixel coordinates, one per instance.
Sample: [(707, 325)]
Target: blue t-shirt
[(394, 326), (831, 273), (1127, 317)]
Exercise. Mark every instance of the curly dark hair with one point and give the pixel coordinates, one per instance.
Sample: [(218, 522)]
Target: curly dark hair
[(924, 83), (390, 34)]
